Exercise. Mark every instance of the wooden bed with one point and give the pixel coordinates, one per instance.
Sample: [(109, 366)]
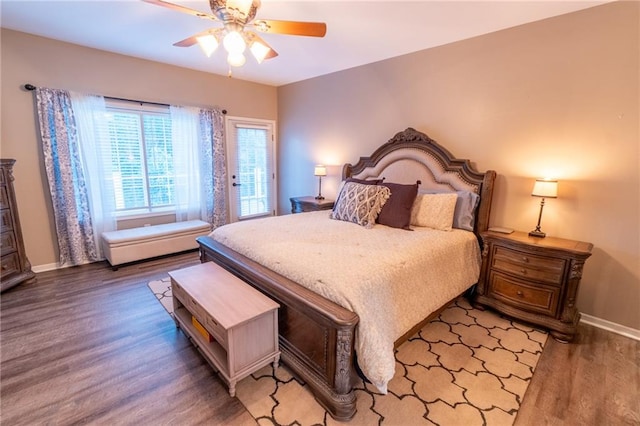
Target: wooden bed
[(316, 334)]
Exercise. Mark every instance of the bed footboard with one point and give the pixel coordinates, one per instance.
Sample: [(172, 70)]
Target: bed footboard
[(316, 335)]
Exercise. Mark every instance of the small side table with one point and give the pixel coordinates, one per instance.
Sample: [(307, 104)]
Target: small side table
[(309, 204), (533, 279)]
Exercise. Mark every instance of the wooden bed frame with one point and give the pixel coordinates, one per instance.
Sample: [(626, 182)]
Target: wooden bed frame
[(317, 335)]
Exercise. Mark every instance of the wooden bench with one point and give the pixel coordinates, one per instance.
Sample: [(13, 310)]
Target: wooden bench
[(130, 245)]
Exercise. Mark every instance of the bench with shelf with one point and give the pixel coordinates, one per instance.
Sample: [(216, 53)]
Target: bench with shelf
[(234, 326)]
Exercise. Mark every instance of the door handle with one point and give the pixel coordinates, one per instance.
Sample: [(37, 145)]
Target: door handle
[(236, 184)]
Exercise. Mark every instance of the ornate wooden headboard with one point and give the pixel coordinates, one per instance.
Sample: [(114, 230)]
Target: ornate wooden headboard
[(412, 156)]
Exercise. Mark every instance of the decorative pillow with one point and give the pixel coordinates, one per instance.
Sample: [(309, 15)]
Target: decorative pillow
[(362, 181), (464, 216), (365, 181), (396, 212), (359, 203), (434, 210)]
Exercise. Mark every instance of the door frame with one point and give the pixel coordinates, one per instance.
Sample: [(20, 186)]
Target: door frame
[(231, 167)]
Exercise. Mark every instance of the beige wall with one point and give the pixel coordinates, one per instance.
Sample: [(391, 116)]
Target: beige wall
[(554, 98), (48, 63)]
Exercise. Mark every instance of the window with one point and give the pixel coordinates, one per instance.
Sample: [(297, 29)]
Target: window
[(142, 158)]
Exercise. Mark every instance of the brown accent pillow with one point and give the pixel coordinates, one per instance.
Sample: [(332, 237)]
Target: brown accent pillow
[(396, 212)]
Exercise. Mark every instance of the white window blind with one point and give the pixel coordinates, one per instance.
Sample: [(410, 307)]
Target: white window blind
[(142, 157)]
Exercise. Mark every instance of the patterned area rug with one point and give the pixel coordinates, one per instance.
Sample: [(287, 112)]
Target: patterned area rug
[(466, 367)]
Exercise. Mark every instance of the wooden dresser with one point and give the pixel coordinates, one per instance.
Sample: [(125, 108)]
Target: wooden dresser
[(15, 265), (533, 279), (309, 204)]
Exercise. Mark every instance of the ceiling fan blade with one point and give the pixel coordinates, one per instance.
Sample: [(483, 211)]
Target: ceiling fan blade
[(309, 29), (188, 42), (182, 9)]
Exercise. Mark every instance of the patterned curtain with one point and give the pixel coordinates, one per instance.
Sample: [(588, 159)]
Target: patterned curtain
[(67, 185), (214, 167)]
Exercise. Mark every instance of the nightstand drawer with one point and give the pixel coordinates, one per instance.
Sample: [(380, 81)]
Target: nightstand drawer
[(526, 265), (524, 295)]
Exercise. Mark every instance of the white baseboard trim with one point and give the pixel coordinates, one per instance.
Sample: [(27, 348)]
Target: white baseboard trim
[(45, 268), (52, 266), (623, 330)]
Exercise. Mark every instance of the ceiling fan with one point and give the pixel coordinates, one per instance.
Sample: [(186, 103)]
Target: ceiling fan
[(237, 16)]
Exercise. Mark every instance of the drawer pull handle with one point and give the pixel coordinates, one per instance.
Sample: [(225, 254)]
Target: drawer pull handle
[(525, 259), (519, 293), (523, 271)]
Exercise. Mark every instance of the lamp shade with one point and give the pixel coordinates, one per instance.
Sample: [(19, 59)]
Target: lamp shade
[(208, 43), (320, 170), (545, 188)]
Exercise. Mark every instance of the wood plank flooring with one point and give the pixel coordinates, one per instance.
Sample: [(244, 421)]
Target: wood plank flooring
[(88, 345)]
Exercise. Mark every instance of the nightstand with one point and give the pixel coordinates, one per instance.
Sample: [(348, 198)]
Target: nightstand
[(533, 279), (309, 204)]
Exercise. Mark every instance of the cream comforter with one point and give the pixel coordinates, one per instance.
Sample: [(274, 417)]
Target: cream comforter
[(391, 278)]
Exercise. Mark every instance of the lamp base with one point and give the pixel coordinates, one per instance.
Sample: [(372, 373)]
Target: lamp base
[(319, 197), (538, 234)]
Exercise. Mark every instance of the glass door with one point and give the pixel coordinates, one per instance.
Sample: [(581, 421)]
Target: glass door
[(251, 168)]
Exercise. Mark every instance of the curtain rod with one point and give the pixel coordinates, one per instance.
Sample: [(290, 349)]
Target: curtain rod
[(31, 87)]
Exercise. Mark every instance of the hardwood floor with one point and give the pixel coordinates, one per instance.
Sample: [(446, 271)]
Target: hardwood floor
[(593, 381), (92, 345)]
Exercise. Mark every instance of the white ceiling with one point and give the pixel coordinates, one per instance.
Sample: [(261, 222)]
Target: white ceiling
[(358, 32)]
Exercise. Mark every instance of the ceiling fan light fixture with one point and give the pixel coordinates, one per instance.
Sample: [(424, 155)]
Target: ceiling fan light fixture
[(236, 59), (259, 51), (208, 43), (242, 6), (234, 42)]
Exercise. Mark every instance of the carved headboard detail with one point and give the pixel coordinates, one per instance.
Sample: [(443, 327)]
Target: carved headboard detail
[(412, 155)]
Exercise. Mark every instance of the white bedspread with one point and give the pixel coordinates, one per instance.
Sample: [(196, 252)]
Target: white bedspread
[(391, 278)]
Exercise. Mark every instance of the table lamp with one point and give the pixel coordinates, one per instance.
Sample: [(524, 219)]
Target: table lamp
[(546, 189), (320, 171)]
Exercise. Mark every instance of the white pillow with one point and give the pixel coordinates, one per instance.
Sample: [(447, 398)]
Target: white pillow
[(434, 210)]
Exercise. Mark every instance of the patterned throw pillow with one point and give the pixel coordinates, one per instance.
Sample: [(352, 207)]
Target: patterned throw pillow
[(360, 203)]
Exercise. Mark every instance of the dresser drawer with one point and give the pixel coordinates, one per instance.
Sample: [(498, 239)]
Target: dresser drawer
[(8, 243), (10, 264), (524, 295), (214, 327), (522, 264), (178, 292), (4, 198), (6, 220)]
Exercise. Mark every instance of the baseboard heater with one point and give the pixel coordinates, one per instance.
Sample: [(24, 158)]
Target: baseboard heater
[(135, 244)]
